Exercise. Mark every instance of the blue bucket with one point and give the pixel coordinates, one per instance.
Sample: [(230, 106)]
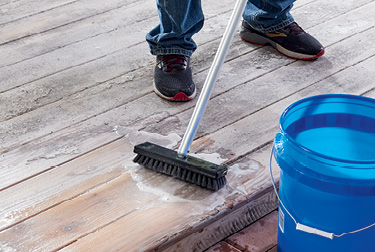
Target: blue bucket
[(326, 152)]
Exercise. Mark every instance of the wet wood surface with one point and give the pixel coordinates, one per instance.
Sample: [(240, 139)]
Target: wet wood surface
[(76, 96)]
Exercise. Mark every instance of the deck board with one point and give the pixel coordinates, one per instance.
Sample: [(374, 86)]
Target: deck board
[(76, 96), (14, 10)]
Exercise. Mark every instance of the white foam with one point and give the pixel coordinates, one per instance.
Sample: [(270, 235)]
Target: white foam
[(169, 189), (154, 183), (5, 247), (137, 137)]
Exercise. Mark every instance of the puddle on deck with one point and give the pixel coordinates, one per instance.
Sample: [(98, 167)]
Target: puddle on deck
[(169, 189)]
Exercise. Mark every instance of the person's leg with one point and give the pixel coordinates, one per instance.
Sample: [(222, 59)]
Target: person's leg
[(171, 41), (270, 22), (179, 21), (268, 15)]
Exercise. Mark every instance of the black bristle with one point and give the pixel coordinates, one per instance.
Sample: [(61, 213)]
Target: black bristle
[(179, 172), (193, 177), (160, 167), (174, 171), (204, 181), (166, 168), (136, 158), (146, 161), (199, 179), (157, 165), (189, 169), (183, 174), (209, 183), (188, 176), (142, 159)]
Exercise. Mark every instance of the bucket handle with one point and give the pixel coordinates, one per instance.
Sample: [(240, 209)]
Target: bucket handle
[(305, 228)]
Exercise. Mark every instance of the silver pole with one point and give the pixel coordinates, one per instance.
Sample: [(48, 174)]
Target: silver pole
[(211, 77)]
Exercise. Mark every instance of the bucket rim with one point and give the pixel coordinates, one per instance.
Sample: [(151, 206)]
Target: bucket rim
[(315, 153)]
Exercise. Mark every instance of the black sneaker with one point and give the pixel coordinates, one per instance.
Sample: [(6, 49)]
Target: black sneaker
[(291, 41), (173, 79)]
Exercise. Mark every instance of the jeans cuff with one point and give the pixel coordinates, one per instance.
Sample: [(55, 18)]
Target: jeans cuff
[(279, 26), (167, 51), (272, 28)]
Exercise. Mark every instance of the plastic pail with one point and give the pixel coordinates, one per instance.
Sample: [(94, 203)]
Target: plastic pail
[(326, 152)]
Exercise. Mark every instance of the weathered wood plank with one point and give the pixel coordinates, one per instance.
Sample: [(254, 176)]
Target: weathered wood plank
[(201, 236), (15, 10), (82, 29), (62, 183), (5, 2), (59, 63), (114, 67), (179, 204), (69, 57), (234, 137), (225, 224), (348, 84), (140, 18), (263, 91), (274, 249), (258, 237), (72, 219), (317, 12), (247, 134), (56, 17), (113, 37), (370, 93), (182, 119), (113, 93), (251, 186)]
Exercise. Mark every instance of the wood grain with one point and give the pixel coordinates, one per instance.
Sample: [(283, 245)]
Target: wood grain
[(76, 96)]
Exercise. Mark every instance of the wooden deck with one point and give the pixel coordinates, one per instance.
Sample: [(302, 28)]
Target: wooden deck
[(76, 96)]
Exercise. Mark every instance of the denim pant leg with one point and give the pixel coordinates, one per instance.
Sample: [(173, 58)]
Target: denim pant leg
[(268, 15), (179, 21)]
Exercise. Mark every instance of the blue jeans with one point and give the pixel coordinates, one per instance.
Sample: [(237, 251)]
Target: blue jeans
[(180, 20)]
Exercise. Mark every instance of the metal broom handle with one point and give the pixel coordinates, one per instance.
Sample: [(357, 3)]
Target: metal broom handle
[(211, 77)]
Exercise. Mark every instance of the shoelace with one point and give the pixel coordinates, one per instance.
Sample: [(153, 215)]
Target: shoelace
[(173, 62), (294, 27)]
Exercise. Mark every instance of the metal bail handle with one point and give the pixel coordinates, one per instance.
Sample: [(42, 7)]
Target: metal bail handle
[(302, 227)]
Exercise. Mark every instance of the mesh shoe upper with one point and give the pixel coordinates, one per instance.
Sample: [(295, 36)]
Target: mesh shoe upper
[(291, 40), (173, 78)]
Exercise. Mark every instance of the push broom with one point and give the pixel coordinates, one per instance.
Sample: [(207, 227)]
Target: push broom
[(179, 164)]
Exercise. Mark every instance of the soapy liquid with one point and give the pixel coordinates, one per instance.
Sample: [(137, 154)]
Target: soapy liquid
[(337, 135)]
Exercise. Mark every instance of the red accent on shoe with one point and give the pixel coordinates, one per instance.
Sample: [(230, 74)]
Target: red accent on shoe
[(294, 27), (174, 62), (181, 97), (311, 58), (317, 56)]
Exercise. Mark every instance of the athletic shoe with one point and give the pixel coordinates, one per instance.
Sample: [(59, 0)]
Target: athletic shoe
[(173, 79), (291, 41)]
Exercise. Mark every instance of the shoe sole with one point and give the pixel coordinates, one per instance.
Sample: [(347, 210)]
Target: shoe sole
[(256, 39), (179, 97)]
